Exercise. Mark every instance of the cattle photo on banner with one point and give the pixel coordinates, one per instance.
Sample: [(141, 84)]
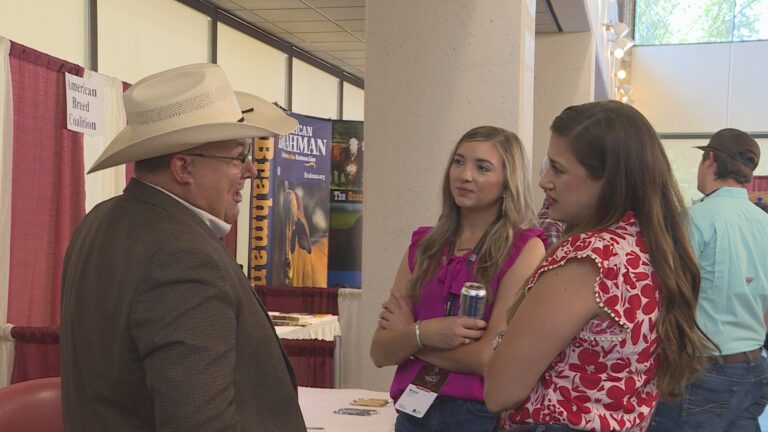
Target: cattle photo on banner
[(347, 155), (297, 250), (346, 233)]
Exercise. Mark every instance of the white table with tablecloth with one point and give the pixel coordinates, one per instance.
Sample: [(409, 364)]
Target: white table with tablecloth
[(318, 406), (318, 326)]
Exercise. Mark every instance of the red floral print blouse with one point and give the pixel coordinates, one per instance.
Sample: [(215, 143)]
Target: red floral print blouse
[(604, 379)]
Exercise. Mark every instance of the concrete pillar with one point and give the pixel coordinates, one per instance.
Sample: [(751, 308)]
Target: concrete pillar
[(565, 76), (435, 68)]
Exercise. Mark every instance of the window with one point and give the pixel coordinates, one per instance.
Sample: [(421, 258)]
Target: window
[(685, 158), (665, 22)]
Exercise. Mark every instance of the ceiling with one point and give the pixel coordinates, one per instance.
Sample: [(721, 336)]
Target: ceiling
[(334, 30)]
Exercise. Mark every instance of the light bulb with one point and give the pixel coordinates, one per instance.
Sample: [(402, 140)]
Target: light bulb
[(622, 46), (621, 74), (619, 29), (625, 99)]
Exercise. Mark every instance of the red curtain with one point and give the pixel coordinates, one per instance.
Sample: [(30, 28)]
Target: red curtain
[(48, 185), (312, 361), (38, 356), (759, 184), (299, 299), (36, 353)]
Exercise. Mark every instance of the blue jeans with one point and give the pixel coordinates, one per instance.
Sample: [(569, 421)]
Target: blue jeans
[(725, 397), (450, 414)]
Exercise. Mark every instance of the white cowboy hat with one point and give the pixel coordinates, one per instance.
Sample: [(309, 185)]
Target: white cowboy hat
[(259, 111), (185, 107)]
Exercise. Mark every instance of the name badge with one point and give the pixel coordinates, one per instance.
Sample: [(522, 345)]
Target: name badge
[(422, 391)]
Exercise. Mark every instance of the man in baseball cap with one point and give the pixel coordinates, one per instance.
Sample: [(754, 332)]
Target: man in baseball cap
[(160, 328), (729, 235), (737, 145)]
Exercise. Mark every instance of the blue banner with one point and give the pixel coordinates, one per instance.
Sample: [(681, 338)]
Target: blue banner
[(301, 206), (304, 154)]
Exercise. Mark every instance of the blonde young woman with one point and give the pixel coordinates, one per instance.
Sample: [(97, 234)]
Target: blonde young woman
[(486, 234), (607, 324)]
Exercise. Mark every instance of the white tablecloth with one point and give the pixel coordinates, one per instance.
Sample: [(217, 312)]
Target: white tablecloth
[(318, 406), (322, 327)]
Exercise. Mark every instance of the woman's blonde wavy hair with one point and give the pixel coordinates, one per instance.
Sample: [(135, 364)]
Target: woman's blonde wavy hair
[(515, 212)]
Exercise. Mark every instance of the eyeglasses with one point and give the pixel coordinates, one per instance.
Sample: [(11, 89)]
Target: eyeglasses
[(241, 158)]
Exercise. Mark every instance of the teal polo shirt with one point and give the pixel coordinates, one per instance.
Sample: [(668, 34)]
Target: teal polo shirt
[(729, 235)]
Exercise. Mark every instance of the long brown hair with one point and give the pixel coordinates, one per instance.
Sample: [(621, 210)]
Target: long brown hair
[(515, 212), (615, 142)]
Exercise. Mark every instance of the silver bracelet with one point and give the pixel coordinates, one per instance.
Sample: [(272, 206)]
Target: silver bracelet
[(418, 335)]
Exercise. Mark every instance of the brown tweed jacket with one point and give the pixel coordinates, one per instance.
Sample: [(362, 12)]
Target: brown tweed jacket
[(160, 329)]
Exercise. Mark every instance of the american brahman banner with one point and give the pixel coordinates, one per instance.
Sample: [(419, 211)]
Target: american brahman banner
[(290, 207)]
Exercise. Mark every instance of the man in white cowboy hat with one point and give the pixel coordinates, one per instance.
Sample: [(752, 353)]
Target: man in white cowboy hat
[(160, 329)]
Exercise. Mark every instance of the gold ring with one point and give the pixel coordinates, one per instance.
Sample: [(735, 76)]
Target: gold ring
[(467, 341)]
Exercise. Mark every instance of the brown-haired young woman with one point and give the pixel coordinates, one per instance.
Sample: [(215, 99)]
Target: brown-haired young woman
[(607, 323)]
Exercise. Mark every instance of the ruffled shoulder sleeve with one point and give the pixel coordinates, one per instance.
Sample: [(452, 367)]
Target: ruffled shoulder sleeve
[(416, 237), (601, 247)]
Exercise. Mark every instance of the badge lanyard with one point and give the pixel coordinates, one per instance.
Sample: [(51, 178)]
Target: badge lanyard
[(422, 391), (471, 260)]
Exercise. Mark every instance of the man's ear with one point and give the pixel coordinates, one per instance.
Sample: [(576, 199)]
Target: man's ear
[(709, 159), (181, 167)]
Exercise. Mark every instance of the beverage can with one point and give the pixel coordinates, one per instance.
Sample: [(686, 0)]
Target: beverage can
[(472, 300)]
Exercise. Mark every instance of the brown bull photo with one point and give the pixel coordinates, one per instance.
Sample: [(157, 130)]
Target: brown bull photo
[(304, 260)]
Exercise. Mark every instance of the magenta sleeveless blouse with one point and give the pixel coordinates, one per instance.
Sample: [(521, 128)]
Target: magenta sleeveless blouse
[(449, 278)]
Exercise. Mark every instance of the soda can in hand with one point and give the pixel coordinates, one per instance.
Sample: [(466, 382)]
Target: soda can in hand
[(472, 300)]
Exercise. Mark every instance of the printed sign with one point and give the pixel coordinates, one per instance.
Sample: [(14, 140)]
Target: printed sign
[(85, 104), (304, 154)]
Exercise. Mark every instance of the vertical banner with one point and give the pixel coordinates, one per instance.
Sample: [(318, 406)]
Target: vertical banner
[(346, 233), (262, 193), (296, 226)]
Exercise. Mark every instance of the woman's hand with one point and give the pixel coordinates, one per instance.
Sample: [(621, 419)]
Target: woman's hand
[(451, 332), (396, 312)]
